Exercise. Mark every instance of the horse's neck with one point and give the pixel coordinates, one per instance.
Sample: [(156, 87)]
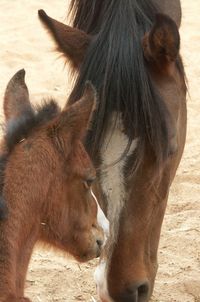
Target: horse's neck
[(112, 169)]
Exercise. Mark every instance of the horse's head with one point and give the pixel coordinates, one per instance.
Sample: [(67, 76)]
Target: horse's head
[(146, 78), (49, 169)]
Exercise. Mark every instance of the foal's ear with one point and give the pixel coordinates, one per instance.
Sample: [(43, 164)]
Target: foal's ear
[(70, 41), (161, 45), (77, 117), (16, 98)]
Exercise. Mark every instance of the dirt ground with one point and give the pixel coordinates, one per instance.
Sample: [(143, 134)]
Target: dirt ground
[(52, 277)]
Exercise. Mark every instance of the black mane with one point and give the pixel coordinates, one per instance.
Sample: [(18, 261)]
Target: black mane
[(114, 63), (19, 129)]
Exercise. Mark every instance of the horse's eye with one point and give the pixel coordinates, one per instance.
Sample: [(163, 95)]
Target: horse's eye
[(88, 182)]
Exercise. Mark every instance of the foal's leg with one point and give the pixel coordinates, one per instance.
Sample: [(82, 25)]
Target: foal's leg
[(24, 255), (7, 263), (15, 254), (13, 287)]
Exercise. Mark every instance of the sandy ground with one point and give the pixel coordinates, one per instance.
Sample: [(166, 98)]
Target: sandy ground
[(52, 277)]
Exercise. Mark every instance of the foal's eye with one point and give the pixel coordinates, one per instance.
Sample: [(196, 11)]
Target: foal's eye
[(88, 182)]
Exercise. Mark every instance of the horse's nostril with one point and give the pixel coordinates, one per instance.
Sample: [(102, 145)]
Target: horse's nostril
[(143, 290), (138, 292)]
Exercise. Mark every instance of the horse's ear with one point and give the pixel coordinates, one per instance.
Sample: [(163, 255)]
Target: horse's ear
[(161, 45), (70, 41), (77, 117), (16, 98)]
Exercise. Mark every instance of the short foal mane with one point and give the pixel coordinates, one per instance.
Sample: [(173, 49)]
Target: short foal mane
[(20, 128), (114, 63)]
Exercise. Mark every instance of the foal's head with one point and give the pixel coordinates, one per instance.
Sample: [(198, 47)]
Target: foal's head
[(48, 172)]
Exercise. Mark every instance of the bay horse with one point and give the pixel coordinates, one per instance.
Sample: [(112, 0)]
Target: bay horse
[(46, 185), (130, 51)]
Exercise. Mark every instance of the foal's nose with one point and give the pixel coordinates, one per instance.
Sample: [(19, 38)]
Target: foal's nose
[(99, 243), (138, 292)]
